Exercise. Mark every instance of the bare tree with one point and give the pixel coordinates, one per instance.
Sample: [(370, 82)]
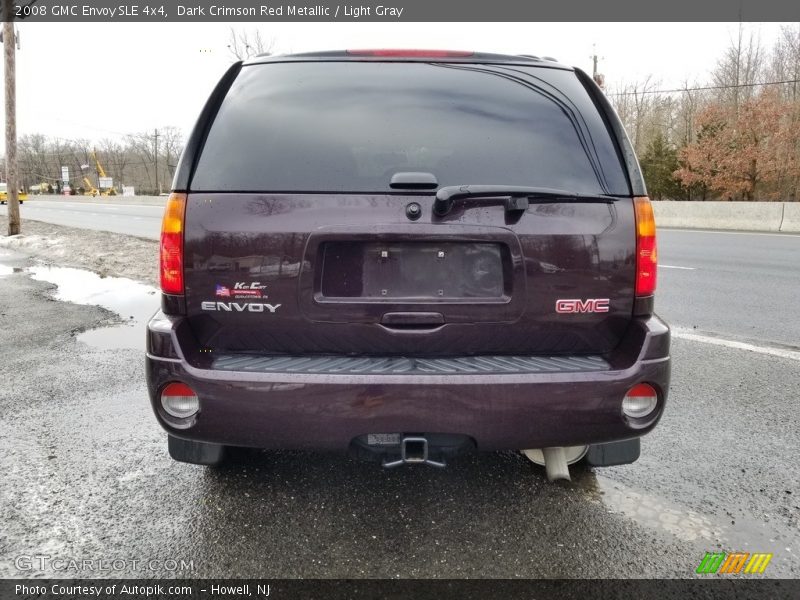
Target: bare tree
[(62, 151), (82, 162), (129, 162), (689, 103), (643, 112), (741, 65), (171, 147), (142, 150), (785, 66), (785, 61), (32, 160), (244, 45), (114, 157)]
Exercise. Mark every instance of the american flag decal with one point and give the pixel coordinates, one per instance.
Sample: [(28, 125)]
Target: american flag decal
[(223, 291)]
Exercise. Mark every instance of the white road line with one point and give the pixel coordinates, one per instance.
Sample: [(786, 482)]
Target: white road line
[(120, 205), (705, 339), (115, 206), (776, 234), (674, 267)]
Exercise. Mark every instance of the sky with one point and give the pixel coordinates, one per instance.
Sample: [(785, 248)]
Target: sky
[(98, 80)]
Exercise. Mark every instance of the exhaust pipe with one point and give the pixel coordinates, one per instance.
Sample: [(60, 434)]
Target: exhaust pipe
[(555, 463), (556, 460)]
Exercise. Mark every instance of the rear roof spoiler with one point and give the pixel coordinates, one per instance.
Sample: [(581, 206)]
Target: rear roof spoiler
[(384, 55)]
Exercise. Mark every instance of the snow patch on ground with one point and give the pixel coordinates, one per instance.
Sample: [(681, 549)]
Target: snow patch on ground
[(33, 242), (105, 253)]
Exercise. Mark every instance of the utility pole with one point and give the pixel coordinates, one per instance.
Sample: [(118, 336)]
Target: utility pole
[(158, 183), (96, 168), (598, 78), (9, 47)]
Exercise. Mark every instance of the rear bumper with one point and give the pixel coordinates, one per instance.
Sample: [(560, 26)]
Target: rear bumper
[(326, 410)]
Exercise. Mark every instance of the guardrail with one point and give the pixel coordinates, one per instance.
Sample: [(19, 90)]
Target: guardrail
[(743, 216), (139, 200)]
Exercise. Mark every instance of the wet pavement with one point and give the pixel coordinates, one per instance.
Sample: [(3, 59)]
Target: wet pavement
[(87, 475)]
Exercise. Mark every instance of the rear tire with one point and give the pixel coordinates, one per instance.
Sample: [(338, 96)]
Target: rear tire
[(195, 453)]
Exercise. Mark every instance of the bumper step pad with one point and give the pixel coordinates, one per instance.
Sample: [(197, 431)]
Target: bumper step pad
[(354, 365)]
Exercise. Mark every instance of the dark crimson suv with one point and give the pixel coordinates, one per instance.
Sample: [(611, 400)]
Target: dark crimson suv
[(408, 255)]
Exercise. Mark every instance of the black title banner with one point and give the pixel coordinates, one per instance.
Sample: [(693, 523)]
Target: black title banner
[(378, 589), (61, 11)]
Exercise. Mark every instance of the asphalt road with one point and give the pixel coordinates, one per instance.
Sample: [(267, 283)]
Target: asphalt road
[(116, 216), (86, 473), (738, 285)]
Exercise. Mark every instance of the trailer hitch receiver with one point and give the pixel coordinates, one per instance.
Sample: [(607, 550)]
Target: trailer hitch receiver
[(413, 450)]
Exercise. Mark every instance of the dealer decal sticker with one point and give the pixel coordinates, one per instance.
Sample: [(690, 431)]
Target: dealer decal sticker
[(242, 289)]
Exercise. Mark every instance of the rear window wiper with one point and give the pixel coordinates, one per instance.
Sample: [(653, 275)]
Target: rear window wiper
[(518, 198)]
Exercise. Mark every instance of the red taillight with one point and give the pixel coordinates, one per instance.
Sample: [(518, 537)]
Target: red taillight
[(642, 390), (412, 53), (646, 253), (172, 245), (178, 389)]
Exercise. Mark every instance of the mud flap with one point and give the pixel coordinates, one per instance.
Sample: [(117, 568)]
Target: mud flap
[(614, 453), (196, 453)]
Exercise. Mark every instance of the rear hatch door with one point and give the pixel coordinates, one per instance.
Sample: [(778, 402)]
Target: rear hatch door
[(296, 241)]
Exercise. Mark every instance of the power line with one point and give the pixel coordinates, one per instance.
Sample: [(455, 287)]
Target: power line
[(708, 87)]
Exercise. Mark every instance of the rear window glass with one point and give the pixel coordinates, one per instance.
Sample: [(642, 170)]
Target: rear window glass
[(350, 126)]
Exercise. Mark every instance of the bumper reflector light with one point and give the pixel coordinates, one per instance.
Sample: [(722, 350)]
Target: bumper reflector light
[(179, 400), (640, 401)]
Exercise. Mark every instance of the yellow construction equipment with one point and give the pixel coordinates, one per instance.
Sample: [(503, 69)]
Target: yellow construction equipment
[(40, 188), (89, 189), (101, 173), (4, 194)]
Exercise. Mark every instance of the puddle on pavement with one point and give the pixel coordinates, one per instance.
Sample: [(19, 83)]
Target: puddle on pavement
[(653, 512), (10, 263), (133, 301), (747, 534), (4, 270)]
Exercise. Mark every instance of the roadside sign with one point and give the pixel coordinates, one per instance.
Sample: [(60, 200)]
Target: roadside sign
[(106, 182), (65, 174)]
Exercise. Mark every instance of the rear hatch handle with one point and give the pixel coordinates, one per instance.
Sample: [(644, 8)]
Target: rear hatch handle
[(411, 322), (518, 198)]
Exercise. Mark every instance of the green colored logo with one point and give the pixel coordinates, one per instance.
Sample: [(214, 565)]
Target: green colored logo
[(734, 562)]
